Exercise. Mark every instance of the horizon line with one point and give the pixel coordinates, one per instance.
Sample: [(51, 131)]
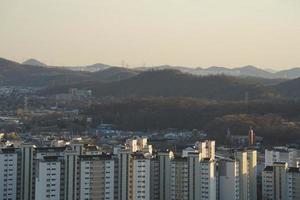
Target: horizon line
[(126, 65)]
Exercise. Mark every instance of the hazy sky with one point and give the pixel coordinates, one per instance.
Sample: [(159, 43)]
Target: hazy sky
[(232, 33)]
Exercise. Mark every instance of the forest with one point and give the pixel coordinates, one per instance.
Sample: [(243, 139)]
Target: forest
[(276, 121)]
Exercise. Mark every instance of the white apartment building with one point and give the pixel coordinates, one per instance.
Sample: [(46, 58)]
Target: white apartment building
[(268, 183), (41, 152), (207, 179), (155, 179), (274, 182), (294, 158), (48, 178), (188, 150), (139, 178), (124, 157), (202, 178), (179, 179), (139, 144), (293, 183), (241, 156), (207, 149), (71, 174), (193, 175), (228, 177), (252, 173), (96, 177), (282, 154), (247, 174), (161, 175), (134, 175), (8, 174), (27, 172), (78, 172)]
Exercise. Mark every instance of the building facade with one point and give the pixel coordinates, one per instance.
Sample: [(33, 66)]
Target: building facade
[(131, 172)]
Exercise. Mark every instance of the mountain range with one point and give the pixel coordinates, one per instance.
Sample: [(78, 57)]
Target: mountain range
[(13, 73), (215, 83), (244, 71)]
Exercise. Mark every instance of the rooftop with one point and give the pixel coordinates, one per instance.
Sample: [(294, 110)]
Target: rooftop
[(269, 168)]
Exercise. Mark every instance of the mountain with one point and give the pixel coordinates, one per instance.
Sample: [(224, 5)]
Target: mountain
[(167, 67), (91, 68), (13, 73), (34, 62), (254, 71), (263, 81), (246, 71), (114, 74), (270, 70), (289, 89), (289, 73), (215, 70), (158, 81), (173, 83)]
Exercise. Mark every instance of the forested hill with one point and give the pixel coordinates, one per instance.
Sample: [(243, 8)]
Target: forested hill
[(124, 82), (12, 73), (16, 74), (290, 89), (173, 83)]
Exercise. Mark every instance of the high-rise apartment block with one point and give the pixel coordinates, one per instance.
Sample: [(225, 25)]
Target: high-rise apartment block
[(228, 179), (193, 175), (247, 161), (133, 171), (293, 183), (274, 182), (10, 159), (96, 177), (48, 178), (280, 182), (282, 154)]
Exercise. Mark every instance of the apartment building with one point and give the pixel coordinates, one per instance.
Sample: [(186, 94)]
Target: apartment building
[(139, 177), (96, 177), (154, 179), (179, 179), (28, 172), (282, 154), (49, 178), (247, 174), (139, 144), (207, 179), (160, 179), (228, 179), (134, 176), (193, 175), (274, 182), (293, 183), (9, 173), (207, 149), (132, 172), (252, 173)]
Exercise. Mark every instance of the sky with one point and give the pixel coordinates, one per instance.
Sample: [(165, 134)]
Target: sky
[(193, 33)]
